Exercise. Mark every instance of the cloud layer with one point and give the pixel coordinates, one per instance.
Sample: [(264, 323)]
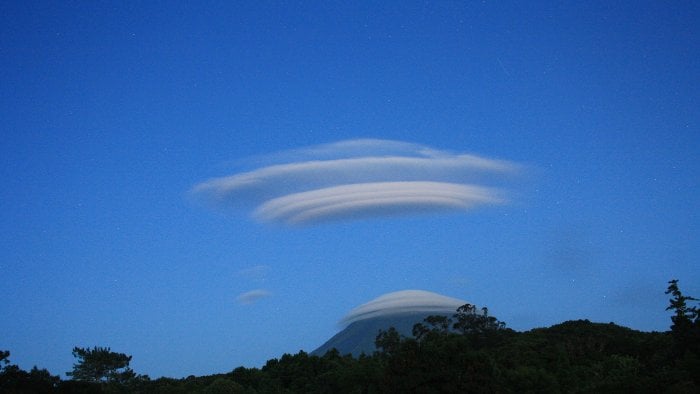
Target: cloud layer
[(359, 178), (405, 301)]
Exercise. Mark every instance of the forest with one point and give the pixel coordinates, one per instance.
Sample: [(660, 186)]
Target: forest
[(471, 352)]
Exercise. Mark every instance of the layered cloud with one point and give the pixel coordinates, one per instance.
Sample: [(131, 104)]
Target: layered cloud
[(373, 198), (252, 296), (406, 301), (359, 178)]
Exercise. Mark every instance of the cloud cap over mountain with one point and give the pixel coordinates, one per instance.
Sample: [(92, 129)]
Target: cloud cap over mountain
[(405, 301), (360, 178)]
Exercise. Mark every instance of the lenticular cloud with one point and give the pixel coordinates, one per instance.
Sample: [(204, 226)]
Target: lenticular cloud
[(405, 301), (360, 178)]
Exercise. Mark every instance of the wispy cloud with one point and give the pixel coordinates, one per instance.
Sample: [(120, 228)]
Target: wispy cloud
[(358, 178), (252, 296), (405, 301)]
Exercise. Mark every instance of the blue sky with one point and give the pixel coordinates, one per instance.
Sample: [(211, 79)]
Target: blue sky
[(113, 112)]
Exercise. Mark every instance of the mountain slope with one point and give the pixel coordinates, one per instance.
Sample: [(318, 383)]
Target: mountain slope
[(359, 336)]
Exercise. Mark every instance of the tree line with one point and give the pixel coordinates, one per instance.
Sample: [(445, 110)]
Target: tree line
[(470, 352)]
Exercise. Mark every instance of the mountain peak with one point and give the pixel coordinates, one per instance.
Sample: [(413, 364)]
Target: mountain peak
[(400, 309)]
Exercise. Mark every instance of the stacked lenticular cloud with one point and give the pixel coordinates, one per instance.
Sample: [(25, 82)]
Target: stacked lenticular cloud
[(360, 178), (402, 302)]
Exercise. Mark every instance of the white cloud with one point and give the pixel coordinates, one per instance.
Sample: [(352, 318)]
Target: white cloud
[(362, 177), (368, 198), (252, 296), (404, 302)]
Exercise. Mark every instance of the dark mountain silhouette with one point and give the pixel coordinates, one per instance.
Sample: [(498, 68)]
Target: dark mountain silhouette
[(359, 336)]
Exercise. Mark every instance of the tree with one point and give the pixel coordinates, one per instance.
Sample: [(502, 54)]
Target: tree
[(4, 357), (686, 319), (468, 321), (100, 364), (388, 342), (224, 386), (684, 315), (435, 325), (15, 380), (439, 323)]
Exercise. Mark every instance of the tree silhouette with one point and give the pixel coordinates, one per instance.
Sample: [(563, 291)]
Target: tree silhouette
[(100, 364), (435, 325), (388, 341), (15, 380), (686, 320), (468, 321), (684, 315)]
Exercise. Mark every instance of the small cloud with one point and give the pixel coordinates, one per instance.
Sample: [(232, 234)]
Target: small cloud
[(360, 178), (252, 296)]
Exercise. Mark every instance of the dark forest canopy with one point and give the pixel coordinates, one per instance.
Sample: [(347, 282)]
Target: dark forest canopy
[(470, 352)]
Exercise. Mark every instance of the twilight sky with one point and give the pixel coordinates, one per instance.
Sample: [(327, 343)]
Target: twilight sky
[(205, 185)]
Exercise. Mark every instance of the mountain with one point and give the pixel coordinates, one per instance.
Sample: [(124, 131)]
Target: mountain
[(359, 336), (401, 310)]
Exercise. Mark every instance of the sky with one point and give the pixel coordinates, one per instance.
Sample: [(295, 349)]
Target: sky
[(207, 185)]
